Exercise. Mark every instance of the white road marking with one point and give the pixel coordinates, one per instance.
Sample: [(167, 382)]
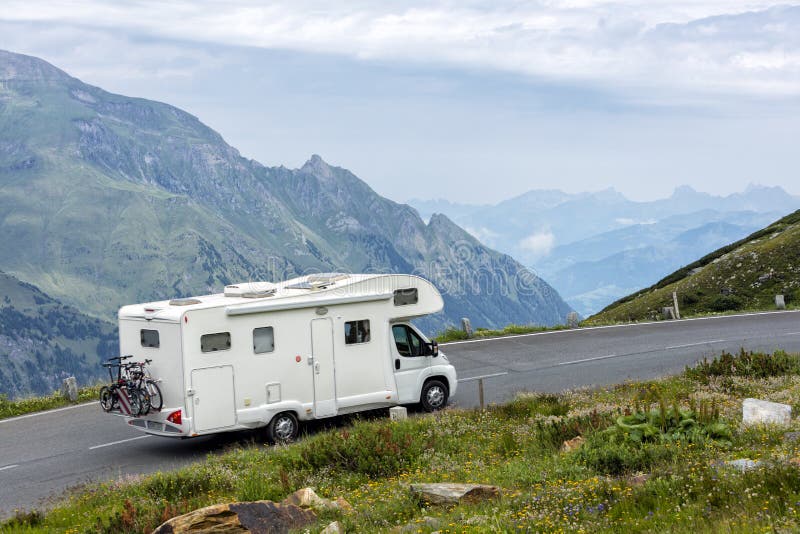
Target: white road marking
[(694, 344), (573, 362), (117, 442), (588, 328), (8, 467), (26, 416)]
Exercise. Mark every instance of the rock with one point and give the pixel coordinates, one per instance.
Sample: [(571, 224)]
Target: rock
[(333, 528), (638, 480), (791, 437), (414, 526), (398, 413), (780, 302), (668, 313), (755, 412), (308, 498), (573, 319), (454, 493), (69, 389), (572, 444), (466, 325), (743, 464), (259, 517)]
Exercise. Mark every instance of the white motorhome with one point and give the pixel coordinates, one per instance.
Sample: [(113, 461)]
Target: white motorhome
[(272, 355)]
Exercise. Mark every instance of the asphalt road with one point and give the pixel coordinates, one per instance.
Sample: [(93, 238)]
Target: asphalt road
[(43, 454)]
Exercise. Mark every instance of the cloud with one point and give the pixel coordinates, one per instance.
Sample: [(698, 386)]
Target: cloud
[(539, 244), (704, 46)]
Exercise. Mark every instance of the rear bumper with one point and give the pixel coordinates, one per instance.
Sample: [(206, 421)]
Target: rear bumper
[(157, 424)]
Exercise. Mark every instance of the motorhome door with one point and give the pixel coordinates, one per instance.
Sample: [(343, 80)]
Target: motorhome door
[(323, 369), (213, 400)]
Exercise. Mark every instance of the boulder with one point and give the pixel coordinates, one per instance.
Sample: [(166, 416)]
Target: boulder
[(743, 464), (760, 412), (429, 523), (398, 413), (573, 319), (572, 444), (69, 389), (454, 493), (259, 517), (780, 302), (333, 528), (308, 498)]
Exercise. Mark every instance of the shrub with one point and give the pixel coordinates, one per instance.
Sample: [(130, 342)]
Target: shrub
[(371, 449), (722, 303), (747, 364), (524, 406)]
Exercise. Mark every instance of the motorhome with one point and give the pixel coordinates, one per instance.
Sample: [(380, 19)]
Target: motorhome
[(273, 355)]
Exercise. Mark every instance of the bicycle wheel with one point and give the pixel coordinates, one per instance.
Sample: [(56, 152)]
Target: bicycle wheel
[(135, 398), (144, 401), (156, 400), (106, 399)]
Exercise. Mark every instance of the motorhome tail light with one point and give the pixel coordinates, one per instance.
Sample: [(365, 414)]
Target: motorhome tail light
[(175, 417)]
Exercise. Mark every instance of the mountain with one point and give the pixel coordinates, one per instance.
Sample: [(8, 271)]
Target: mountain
[(43, 341), (745, 275), (108, 200), (599, 246)]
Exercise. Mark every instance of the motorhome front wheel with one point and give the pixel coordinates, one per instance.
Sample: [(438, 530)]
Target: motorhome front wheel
[(434, 396)]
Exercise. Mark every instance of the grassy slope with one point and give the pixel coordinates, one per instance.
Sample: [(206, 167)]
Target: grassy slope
[(516, 446), (43, 341), (745, 275)]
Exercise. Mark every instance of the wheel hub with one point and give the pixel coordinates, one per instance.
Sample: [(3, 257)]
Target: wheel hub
[(435, 396)]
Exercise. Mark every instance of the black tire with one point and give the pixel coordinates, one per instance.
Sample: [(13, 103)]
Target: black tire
[(156, 400), (434, 396), (144, 401), (283, 428), (106, 399), (136, 400)]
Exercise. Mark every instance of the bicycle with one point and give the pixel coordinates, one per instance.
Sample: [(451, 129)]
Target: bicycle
[(138, 397), (141, 378)]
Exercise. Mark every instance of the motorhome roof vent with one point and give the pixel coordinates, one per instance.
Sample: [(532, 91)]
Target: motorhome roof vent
[(183, 302), (326, 279), (251, 290)]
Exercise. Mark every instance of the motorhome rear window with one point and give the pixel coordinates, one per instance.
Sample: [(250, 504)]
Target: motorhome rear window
[(404, 297), (356, 332), (215, 342), (150, 338), (263, 340)]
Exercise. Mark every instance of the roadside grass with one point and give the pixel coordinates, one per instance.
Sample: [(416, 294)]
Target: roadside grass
[(678, 431), (13, 408), (456, 334)]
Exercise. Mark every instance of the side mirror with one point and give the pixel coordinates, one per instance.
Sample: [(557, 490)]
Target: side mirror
[(434, 348)]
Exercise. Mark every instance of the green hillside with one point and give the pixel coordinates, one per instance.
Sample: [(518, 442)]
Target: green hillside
[(43, 341), (745, 275)]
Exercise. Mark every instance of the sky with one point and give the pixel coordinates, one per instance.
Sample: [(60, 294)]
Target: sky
[(473, 101)]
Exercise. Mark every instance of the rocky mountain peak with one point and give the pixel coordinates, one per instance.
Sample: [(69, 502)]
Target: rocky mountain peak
[(19, 67), (318, 167)]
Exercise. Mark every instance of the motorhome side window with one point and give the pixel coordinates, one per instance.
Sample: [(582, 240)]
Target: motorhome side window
[(215, 342), (407, 341), (404, 297), (150, 338), (356, 332), (263, 340)]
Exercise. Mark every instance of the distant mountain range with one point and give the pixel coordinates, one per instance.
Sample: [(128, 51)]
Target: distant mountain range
[(597, 247), (107, 200), (745, 275)]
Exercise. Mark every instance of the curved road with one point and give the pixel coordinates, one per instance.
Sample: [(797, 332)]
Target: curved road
[(43, 454)]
